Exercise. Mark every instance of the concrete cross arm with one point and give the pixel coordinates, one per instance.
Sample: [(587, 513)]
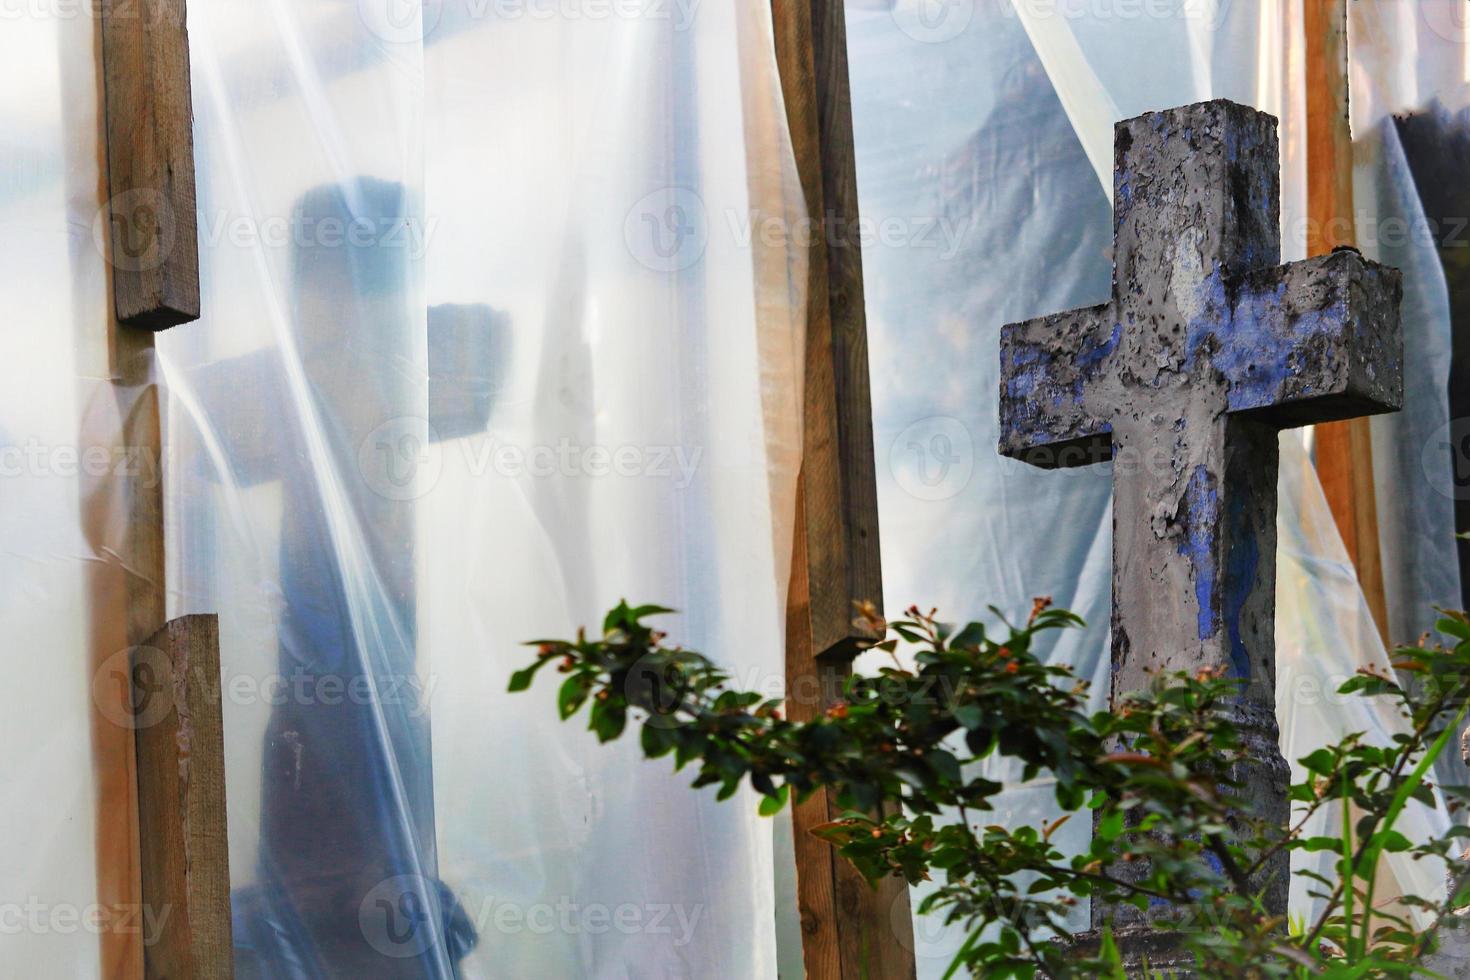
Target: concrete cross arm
[(1314, 341), (1299, 344), (1043, 420)]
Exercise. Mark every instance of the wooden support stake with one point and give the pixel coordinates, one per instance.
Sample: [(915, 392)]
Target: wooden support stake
[(1344, 449), (849, 930), (841, 499), (150, 156), (145, 139), (181, 783)]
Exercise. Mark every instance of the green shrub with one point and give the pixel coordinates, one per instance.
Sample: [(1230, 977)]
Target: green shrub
[(1153, 775)]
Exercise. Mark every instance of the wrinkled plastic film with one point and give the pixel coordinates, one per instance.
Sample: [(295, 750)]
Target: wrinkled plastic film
[(490, 343), (1411, 59)]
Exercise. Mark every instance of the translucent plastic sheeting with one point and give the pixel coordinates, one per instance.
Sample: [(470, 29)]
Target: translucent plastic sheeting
[(984, 132), (1410, 57), (70, 475), (501, 325)]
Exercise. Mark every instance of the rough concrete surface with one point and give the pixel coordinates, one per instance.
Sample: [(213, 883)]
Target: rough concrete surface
[(1206, 350)]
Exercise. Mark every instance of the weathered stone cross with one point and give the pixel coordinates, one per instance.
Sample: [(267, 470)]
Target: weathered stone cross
[(1207, 349)]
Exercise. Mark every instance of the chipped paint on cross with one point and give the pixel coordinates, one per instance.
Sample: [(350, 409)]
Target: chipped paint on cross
[(1184, 378)]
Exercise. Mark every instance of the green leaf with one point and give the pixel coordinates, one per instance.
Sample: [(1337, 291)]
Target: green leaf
[(573, 694), (772, 805), (972, 716), (1109, 953), (945, 765), (973, 635), (616, 617), (1453, 627), (1321, 762), (608, 720), (656, 740), (643, 612)]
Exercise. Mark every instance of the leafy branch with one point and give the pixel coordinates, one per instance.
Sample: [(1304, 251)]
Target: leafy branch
[(1162, 776)]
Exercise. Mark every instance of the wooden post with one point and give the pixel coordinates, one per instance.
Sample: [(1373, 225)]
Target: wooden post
[(1344, 449), (158, 822), (849, 930), (150, 162), (181, 791)]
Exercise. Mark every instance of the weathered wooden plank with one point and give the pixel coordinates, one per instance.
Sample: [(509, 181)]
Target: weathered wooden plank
[(126, 604), (849, 930), (1344, 449), (181, 779), (150, 152), (841, 505)]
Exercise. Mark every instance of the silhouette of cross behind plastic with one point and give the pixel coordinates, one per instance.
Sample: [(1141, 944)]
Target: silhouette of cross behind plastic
[(1207, 349)]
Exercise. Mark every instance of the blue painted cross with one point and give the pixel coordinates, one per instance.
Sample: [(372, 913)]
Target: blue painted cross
[(1207, 349)]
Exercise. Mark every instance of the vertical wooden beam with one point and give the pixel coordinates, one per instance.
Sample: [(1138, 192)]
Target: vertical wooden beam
[(151, 831), (181, 790), (849, 930), (150, 156), (1344, 449), (841, 505)]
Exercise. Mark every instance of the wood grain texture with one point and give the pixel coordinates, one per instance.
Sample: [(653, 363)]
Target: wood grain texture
[(841, 503), (121, 513), (1344, 450), (181, 779), (150, 151), (849, 930)]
